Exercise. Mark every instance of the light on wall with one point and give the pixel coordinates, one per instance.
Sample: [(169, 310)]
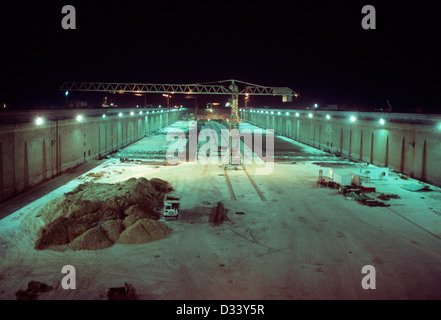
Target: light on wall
[(39, 121)]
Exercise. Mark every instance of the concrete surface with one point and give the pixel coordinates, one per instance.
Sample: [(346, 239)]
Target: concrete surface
[(407, 143), (30, 154), (298, 242)]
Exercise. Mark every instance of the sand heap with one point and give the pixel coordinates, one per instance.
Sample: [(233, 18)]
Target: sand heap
[(97, 215)]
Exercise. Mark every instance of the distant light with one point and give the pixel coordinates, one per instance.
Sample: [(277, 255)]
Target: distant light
[(316, 105), (131, 113), (287, 113), (279, 113), (120, 114), (140, 112), (147, 112), (266, 112), (137, 105), (104, 116), (382, 121), (310, 115), (160, 106), (297, 114), (162, 110), (353, 119), (79, 118), (272, 112), (66, 93), (111, 104), (328, 117), (39, 121)]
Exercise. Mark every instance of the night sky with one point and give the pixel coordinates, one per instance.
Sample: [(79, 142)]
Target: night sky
[(317, 48)]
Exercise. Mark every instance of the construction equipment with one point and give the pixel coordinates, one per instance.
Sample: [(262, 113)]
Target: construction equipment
[(122, 293), (172, 205), (234, 88), (320, 178), (218, 214)]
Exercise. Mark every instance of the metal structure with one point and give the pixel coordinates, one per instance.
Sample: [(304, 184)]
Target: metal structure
[(226, 87), (234, 88)]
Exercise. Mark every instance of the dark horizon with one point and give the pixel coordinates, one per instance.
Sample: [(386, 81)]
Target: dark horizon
[(317, 48)]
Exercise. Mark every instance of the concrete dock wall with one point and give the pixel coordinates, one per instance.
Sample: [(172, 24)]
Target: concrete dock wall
[(407, 143), (30, 153)]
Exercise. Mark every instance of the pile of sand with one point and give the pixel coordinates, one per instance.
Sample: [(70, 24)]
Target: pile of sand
[(96, 215)]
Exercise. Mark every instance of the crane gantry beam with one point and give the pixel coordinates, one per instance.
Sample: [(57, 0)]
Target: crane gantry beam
[(234, 88), (225, 87), (143, 88), (198, 88)]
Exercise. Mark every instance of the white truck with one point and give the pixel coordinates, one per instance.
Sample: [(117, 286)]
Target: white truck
[(172, 204)]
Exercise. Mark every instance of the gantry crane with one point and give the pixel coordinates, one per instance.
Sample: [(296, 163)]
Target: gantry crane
[(234, 88)]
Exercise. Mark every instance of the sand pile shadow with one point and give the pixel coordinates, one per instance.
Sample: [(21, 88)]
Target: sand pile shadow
[(96, 216)]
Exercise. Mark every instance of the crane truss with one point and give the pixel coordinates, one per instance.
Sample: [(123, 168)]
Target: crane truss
[(198, 88), (227, 87)]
